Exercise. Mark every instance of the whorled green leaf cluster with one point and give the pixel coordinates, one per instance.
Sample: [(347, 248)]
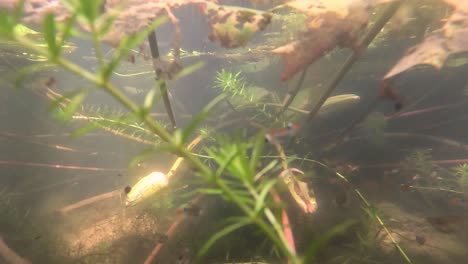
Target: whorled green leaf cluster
[(419, 161), (461, 172), (234, 173), (233, 84)]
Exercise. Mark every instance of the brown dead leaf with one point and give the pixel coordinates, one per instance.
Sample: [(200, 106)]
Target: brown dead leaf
[(452, 38), (233, 26), (329, 24), (461, 5)]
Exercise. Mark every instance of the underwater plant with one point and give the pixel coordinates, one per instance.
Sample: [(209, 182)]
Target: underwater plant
[(236, 173), (461, 171), (233, 84), (419, 161), (375, 125)]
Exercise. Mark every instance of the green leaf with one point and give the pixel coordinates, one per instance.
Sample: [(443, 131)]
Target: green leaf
[(142, 156), (126, 44), (210, 191), (225, 231), (257, 150), (150, 98), (67, 29), (323, 239), (260, 202), (266, 169), (84, 130), (106, 25), (90, 9), (74, 102), (7, 25), (225, 163), (190, 69), (200, 116), (30, 69), (50, 34)]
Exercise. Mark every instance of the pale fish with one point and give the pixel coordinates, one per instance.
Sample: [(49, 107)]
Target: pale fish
[(145, 187)]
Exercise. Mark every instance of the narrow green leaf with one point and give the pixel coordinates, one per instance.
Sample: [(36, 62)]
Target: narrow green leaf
[(200, 116), (260, 202), (225, 231), (50, 34), (106, 25), (323, 240), (24, 72), (90, 9), (225, 163), (126, 44), (84, 130), (266, 169), (142, 156), (7, 26), (210, 191), (257, 150), (75, 102), (190, 69), (150, 98), (67, 29)]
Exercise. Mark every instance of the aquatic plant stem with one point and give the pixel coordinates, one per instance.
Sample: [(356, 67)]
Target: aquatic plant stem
[(162, 84), (279, 241), (379, 220), (154, 126), (294, 92), (9, 255), (367, 39)]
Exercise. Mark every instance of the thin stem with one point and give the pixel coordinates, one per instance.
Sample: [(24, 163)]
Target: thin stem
[(379, 24), (162, 84), (154, 126), (258, 221), (294, 92)]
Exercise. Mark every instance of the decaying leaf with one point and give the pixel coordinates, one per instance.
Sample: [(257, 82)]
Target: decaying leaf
[(233, 26), (452, 38), (304, 197), (330, 23)]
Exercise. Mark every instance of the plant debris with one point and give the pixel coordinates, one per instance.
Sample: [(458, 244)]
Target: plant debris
[(452, 38)]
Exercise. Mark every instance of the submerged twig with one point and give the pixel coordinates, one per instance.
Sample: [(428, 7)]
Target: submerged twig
[(152, 256), (445, 141), (294, 92), (379, 220), (9, 255), (89, 201), (162, 84), (367, 39)]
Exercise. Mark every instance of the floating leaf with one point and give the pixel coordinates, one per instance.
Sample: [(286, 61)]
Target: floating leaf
[(452, 38), (330, 23), (234, 26)]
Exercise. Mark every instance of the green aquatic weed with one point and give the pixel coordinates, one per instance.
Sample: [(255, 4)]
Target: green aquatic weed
[(419, 160)]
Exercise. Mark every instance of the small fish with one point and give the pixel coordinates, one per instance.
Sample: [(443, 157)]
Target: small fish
[(288, 131), (145, 187), (192, 210)]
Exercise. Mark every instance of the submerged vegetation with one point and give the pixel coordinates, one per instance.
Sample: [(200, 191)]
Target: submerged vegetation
[(248, 149)]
